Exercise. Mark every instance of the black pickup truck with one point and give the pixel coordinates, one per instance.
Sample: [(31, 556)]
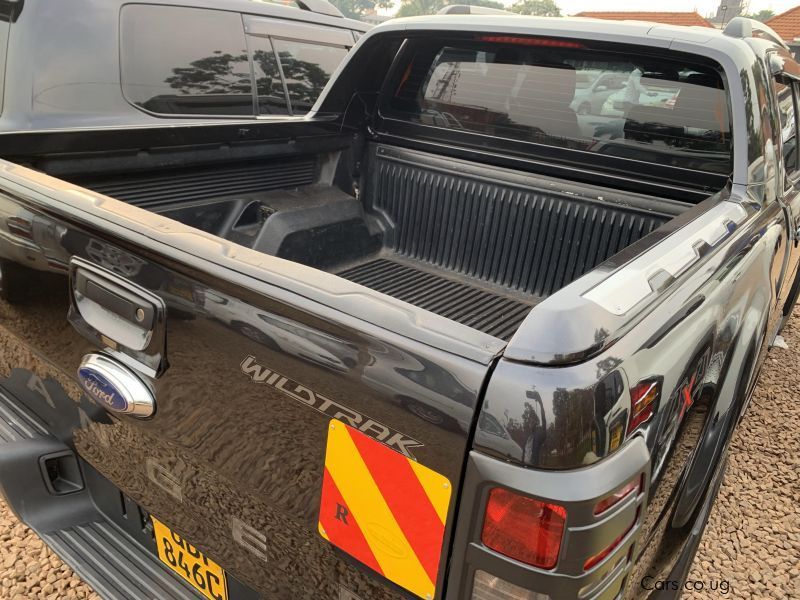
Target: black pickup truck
[(438, 337)]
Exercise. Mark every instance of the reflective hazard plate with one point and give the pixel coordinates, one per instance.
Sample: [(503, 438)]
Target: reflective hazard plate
[(202, 573), (383, 509)]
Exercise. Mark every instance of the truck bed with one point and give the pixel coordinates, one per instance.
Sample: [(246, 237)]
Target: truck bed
[(479, 245)]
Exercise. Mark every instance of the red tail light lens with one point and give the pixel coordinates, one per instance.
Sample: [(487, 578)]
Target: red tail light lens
[(523, 528), (643, 402), (617, 496)]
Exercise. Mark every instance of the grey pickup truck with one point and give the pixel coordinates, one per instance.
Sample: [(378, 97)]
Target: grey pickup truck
[(429, 335)]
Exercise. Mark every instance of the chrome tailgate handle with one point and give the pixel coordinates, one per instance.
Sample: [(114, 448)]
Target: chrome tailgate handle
[(116, 313), (119, 313)]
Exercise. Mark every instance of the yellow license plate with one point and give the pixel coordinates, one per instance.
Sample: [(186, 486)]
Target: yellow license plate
[(202, 573)]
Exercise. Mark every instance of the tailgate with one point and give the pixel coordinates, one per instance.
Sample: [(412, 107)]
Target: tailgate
[(280, 420)]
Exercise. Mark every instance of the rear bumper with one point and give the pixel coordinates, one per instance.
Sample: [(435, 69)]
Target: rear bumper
[(586, 534), (116, 564), (113, 564)]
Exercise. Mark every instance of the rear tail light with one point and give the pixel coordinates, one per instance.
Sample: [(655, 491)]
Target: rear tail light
[(597, 558), (618, 496), (489, 587), (644, 398), (523, 528)]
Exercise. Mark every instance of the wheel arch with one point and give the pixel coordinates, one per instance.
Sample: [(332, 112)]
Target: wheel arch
[(731, 397)]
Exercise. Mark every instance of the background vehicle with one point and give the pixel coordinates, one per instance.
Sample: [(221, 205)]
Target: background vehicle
[(588, 313), (180, 63), (615, 104), (590, 100)]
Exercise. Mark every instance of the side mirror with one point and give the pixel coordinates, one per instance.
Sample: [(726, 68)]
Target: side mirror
[(601, 88)]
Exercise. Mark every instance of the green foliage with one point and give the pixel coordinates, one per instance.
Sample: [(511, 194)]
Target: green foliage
[(762, 15), (355, 9), (538, 8), (413, 8)]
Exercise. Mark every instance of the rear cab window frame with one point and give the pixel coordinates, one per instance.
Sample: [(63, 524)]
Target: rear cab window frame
[(791, 172), (390, 125), (6, 18)]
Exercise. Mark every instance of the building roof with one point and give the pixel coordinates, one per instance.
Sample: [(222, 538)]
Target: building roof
[(786, 25), (668, 18)]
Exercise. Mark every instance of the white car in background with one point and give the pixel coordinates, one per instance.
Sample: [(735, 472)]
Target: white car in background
[(657, 95), (590, 99)]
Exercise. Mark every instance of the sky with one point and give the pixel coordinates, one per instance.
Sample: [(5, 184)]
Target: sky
[(704, 7)]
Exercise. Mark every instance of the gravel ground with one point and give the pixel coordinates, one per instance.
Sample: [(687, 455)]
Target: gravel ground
[(29, 569), (751, 546), (752, 541)]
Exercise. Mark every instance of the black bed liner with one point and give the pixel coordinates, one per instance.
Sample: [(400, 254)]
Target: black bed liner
[(517, 230), (159, 189), (493, 311), (478, 244)]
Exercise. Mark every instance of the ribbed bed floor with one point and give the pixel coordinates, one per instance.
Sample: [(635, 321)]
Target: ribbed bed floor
[(486, 310)]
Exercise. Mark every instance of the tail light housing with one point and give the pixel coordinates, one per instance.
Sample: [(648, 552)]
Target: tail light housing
[(626, 490), (523, 528), (490, 587), (597, 558), (644, 399), (20, 227)]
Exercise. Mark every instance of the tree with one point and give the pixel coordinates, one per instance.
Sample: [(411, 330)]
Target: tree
[(224, 74), (220, 73), (355, 9), (762, 15), (486, 3), (538, 8), (412, 8)]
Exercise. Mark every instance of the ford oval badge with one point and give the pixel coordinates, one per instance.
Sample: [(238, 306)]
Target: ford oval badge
[(115, 387)]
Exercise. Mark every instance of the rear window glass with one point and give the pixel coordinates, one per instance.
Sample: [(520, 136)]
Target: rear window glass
[(566, 95), (187, 61)]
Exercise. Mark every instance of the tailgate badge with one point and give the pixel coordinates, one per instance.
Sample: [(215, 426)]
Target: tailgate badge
[(115, 387), (383, 509)]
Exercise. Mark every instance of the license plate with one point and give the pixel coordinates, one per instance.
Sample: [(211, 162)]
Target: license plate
[(202, 573)]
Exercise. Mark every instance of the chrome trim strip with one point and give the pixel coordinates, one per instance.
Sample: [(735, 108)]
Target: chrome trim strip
[(634, 282)]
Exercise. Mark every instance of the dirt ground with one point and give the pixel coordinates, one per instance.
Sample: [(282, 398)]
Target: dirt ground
[(751, 548)]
